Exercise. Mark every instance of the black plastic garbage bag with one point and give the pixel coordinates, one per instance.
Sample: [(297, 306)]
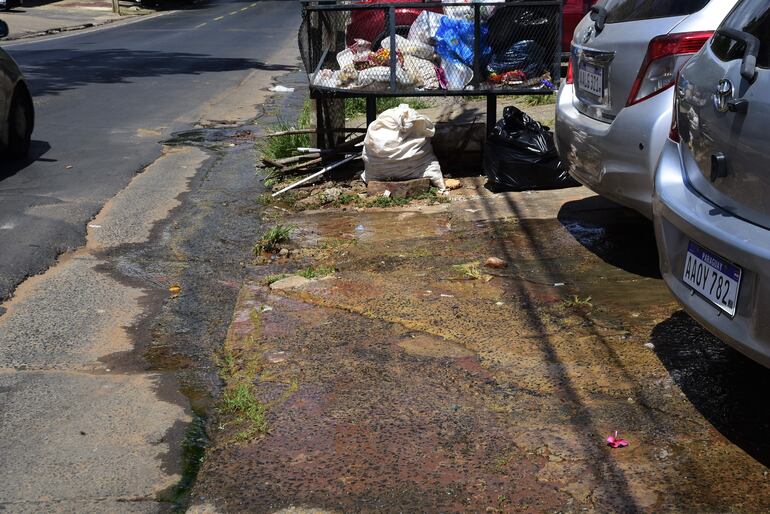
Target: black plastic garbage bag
[(526, 56), (511, 23), (520, 155)]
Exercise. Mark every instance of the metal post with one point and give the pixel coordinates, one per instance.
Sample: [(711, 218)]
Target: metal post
[(557, 52), (371, 109), (320, 126), (491, 112), (392, 32), (476, 45)]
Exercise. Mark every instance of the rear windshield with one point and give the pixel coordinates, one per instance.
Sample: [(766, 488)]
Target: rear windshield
[(630, 10), (752, 16)]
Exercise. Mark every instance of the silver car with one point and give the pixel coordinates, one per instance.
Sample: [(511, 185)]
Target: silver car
[(614, 110), (17, 114), (712, 185)]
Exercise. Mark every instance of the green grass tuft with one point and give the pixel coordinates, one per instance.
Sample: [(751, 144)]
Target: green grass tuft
[(272, 279), (346, 199), (243, 405), (312, 272), (273, 237), (471, 270), (431, 196), (534, 100), (280, 147), (355, 107)]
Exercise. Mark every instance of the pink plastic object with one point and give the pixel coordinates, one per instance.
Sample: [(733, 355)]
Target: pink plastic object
[(615, 442)]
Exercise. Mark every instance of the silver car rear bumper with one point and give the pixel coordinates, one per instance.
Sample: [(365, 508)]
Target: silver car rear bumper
[(681, 215), (616, 160)]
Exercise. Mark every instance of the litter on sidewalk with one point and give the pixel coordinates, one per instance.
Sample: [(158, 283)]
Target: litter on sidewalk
[(397, 147), (613, 441), (520, 154)]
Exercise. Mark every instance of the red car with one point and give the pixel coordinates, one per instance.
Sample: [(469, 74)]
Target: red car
[(372, 24), (573, 11)]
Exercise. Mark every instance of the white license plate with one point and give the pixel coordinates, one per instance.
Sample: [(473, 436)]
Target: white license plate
[(713, 278), (591, 79)]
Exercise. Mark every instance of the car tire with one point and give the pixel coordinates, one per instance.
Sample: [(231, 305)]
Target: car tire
[(20, 124)]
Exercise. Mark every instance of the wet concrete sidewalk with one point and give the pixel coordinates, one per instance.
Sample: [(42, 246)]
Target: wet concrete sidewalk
[(415, 379)]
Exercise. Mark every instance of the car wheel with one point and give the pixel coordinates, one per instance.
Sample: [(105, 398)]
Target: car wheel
[(20, 124)]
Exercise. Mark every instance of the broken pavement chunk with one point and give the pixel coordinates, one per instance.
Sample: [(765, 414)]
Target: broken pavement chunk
[(291, 282)]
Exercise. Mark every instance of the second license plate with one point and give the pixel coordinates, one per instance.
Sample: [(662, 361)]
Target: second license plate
[(591, 79), (713, 277)]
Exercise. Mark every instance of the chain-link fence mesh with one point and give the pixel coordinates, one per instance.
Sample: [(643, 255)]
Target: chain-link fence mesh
[(482, 46)]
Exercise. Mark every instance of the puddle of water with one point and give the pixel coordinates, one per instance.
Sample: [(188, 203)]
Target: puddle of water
[(211, 136)]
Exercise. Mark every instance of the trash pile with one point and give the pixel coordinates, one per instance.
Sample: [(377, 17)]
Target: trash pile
[(399, 160), (397, 147), (438, 51), (520, 155)]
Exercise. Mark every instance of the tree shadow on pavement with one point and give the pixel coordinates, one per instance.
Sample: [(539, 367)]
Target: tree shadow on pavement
[(9, 168), (50, 73), (616, 489), (727, 388), (617, 235)]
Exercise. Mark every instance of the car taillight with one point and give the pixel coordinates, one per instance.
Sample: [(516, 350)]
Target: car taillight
[(570, 71), (665, 57)]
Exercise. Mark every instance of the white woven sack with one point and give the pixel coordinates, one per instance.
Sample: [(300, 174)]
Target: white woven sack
[(397, 147)]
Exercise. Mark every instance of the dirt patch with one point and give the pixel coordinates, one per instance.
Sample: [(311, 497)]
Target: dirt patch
[(426, 346)]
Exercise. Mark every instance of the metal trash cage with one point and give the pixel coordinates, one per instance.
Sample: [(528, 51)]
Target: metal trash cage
[(442, 48)]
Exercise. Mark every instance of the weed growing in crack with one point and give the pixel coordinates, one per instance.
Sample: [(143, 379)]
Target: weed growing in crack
[(227, 365), (279, 147), (241, 402), (576, 302), (312, 272), (471, 270), (534, 100), (388, 201), (271, 279), (346, 199), (273, 237)]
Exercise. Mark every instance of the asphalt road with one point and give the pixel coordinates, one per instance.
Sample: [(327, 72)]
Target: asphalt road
[(106, 99)]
